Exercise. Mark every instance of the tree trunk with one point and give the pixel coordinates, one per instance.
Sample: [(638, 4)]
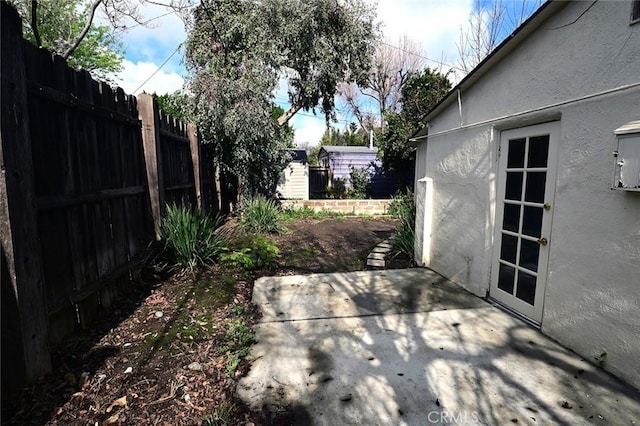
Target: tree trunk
[(228, 192)]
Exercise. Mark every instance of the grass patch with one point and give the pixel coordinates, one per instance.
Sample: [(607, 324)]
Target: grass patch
[(221, 416), (291, 214)]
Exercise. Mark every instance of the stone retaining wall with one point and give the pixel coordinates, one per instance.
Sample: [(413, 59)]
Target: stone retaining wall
[(341, 206)]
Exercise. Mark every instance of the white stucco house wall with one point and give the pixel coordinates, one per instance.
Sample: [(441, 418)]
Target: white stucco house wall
[(514, 177), (294, 181)]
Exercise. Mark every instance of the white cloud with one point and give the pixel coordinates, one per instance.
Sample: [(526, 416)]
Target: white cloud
[(134, 74), (308, 130), (435, 23)]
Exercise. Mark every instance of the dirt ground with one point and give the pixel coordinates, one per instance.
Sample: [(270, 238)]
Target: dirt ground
[(172, 351)]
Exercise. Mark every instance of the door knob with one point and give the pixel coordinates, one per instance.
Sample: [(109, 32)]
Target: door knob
[(543, 241)]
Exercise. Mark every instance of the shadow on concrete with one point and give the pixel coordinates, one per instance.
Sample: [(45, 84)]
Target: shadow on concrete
[(409, 347)]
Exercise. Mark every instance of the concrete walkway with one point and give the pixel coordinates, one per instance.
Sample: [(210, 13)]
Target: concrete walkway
[(400, 347)]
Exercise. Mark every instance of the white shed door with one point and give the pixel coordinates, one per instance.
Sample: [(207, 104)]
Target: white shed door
[(524, 209)]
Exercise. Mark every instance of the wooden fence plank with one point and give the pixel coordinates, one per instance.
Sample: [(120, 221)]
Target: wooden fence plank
[(148, 113), (18, 221), (194, 144)]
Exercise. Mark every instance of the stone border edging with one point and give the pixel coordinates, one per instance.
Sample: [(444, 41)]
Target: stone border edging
[(377, 257)]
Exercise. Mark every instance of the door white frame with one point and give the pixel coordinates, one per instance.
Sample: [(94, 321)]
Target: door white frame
[(532, 312)]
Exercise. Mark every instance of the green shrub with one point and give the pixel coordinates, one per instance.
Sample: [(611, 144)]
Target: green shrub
[(402, 207), (252, 252), (360, 183), (260, 215), (338, 188), (190, 238)]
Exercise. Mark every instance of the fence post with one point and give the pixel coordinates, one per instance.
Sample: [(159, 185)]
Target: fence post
[(149, 116), (192, 133), (18, 216)]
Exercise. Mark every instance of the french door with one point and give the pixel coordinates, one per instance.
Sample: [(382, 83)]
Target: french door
[(524, 209)]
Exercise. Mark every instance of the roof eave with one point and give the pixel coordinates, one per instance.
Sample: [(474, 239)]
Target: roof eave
[(499, 53)]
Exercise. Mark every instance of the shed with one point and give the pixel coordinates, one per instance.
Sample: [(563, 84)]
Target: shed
[(515, 173), (294, 181), (340, 159)]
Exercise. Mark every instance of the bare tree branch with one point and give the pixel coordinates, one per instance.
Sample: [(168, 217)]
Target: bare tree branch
[(85, 30), (34, 22), (392, 64)]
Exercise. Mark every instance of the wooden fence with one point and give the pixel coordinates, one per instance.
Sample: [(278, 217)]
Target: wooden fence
[(319, 181), (86, 172)]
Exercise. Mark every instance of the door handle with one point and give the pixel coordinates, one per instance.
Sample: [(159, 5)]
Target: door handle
[(543, 241)]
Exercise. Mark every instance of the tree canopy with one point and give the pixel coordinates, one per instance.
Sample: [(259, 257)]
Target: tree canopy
[(238, 51), (381, 91), (422, 91), (67, 28)]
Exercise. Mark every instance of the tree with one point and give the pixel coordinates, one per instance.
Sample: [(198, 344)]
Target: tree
[(237, 51), (422, 91), (489, 23), (67, 28), (352, 136), (175, 104), (382, 88)]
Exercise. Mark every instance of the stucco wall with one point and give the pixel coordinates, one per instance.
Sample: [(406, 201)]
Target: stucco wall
[(294, 183), (592, 301)]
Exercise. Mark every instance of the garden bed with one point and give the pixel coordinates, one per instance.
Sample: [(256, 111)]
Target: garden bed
[(172, 351)]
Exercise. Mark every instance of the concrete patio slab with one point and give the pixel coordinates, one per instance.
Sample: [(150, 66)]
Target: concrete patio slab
[(408, 347)]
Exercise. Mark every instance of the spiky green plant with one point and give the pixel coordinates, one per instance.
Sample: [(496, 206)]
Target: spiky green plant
[(191, 238), (402, 207), (260, 215)]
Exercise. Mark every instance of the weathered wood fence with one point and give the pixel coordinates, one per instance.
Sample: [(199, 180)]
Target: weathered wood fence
[(86, 170)]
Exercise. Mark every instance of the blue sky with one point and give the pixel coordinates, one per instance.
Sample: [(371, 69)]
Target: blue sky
[(436, 24)]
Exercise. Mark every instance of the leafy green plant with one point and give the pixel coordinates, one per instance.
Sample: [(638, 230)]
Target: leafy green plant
[(402, 207), (360, 183), (239, 334), (260, 215), (190, 238), (252, 252), (238, 338), (338, 188)]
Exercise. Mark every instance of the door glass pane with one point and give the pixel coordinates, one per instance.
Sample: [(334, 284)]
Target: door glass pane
[(508, 248), (535, 187), (516, 153), (526, 288), (511, 218), (506, 277), (532, 221), (529, 252), (538, 151), (513, 189)]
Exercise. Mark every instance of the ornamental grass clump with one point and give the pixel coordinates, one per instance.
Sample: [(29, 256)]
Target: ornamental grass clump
[(402, 207), (260, 215), (190, 238)]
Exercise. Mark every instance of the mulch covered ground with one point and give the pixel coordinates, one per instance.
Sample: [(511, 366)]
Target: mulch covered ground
[(172, 351)]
